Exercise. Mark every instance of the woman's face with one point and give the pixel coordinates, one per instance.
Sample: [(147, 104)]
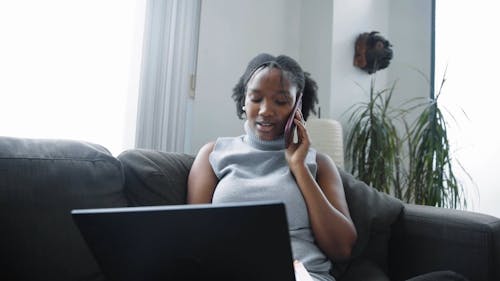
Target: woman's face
[(269, 100)]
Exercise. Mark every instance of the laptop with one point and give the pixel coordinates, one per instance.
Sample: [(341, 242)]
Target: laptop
[(237, 242)]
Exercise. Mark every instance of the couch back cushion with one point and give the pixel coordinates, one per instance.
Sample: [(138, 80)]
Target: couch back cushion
[(41, 181), (373, 214), (155, 177)]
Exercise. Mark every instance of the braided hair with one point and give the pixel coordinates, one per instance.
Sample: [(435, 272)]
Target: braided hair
[(290, 69)]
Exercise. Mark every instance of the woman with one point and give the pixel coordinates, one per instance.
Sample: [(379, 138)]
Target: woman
[(257, 166)]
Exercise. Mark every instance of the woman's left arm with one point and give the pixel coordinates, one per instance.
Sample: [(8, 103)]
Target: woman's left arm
[(328, 212), (329, 215)]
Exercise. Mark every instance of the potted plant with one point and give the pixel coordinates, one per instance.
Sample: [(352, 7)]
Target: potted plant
[(373, 145), (422, 174), (431, 180)]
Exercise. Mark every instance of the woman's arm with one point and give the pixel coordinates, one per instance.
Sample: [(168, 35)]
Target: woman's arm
[(329, 215), (202, 179)]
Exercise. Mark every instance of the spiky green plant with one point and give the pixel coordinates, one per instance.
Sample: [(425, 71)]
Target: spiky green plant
[(431, 180), (373, 145)]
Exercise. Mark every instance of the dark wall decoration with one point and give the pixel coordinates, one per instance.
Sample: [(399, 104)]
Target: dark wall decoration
[(372, 52)]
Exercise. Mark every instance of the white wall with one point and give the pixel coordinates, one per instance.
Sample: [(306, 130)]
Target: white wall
[(406, 24), (350, 18), (316, 47), (320, 34), (410, 36), (233, 32)]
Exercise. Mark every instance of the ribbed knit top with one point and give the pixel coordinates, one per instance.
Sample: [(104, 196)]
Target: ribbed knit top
[(250, 169)]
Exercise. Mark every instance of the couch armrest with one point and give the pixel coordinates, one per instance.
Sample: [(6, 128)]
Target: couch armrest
[(426, 239)]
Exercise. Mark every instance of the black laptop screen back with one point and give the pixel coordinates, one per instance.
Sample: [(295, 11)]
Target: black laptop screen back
[(190, 242)]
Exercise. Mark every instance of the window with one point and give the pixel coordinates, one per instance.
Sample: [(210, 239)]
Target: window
[(466, 44), (70, 69)]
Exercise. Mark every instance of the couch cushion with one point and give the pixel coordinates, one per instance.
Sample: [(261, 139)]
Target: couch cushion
[(155, 177), (363, 270), (373, 213), (41, 181)]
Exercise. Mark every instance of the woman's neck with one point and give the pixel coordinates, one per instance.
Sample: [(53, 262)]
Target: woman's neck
[(253, 140)]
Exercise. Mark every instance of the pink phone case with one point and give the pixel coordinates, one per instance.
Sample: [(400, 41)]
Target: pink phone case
[(290, 125)]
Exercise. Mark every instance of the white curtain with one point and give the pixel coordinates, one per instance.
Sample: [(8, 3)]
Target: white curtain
[(168, 65)]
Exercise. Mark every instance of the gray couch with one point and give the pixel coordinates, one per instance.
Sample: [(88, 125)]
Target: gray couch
[(42, 180)]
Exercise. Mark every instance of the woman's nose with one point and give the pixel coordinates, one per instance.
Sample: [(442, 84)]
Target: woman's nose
[(265, 108)]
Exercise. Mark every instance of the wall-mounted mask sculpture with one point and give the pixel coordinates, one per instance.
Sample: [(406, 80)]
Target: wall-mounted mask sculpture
[(372, 52)]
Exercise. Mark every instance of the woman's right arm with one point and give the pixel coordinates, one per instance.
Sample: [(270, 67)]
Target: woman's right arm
[(202, 179)]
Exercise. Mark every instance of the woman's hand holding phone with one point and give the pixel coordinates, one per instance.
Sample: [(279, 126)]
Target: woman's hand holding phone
[(297, 152)]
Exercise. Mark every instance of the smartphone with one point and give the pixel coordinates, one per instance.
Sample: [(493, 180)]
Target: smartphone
[(290, 125)]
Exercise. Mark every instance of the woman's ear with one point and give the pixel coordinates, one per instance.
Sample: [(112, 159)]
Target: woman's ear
[(243, 109)]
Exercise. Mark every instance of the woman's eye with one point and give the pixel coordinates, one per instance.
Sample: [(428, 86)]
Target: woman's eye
[(282, 102), (255, 100)]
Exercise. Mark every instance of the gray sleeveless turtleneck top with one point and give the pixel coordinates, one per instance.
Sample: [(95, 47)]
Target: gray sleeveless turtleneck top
[(250, 169)]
